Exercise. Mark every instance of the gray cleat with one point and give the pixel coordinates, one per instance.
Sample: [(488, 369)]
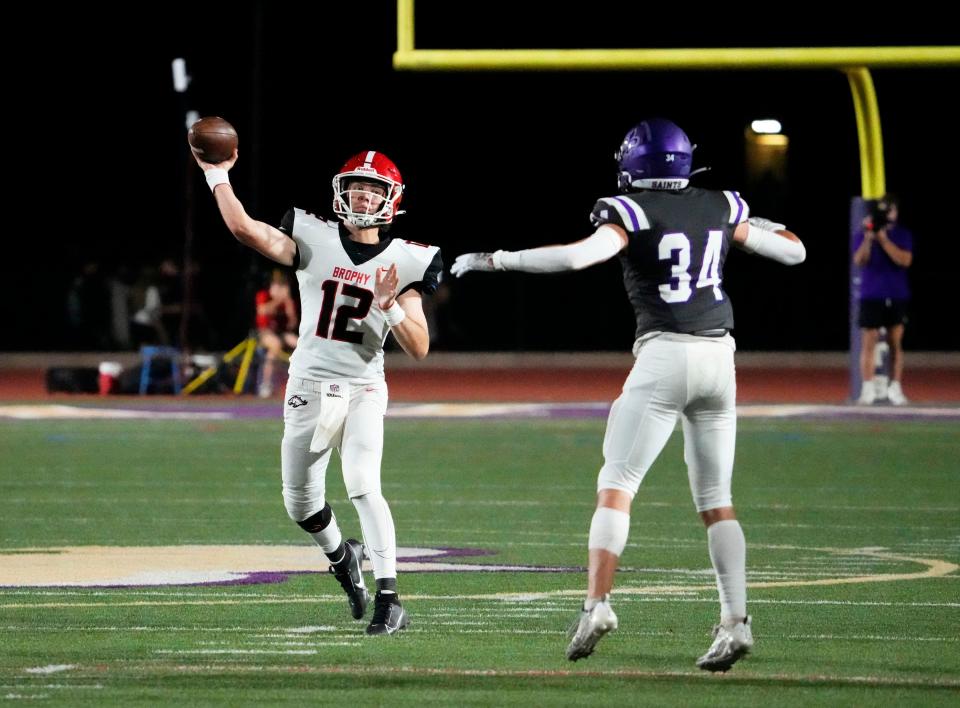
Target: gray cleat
[(730, 644), (589, 628)]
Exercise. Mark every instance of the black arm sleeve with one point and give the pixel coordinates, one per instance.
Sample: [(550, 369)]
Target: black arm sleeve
[(431, 277)]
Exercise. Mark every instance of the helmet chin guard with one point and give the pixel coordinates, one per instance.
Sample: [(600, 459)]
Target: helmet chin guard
[(374, 168), (655, 154)]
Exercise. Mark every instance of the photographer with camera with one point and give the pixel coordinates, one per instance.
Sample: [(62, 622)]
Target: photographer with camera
[(883, 251)]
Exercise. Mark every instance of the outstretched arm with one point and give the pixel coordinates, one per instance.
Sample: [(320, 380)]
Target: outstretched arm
[(261, 237), (606, 242), (770, 240)]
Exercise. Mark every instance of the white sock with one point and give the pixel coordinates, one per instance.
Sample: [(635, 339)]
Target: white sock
[(329, 539), (379, 535), (609, 529), (728, 552), (592, 602)]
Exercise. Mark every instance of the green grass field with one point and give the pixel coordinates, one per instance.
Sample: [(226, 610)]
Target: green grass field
[(853, 530)]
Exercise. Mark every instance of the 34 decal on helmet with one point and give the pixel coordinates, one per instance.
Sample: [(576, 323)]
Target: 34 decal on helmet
[(655, 154)]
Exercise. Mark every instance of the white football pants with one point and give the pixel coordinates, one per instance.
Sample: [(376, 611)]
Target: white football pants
[(361, 450), (676, 375)]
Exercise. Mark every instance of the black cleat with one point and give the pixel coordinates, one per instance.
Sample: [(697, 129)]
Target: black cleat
[(350, 576), (388, 615)]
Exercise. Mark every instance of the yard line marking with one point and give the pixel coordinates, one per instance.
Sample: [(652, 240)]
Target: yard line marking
[(304, 652), (764, 601), (670, 634), (742, 676), (480, 612), (50, 669), (870, 637), (344, 634), (35, 686)]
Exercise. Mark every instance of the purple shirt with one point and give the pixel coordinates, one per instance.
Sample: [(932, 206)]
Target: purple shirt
[(881, 278)]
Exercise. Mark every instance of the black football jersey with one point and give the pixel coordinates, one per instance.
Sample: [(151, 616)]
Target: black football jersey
[(673, 262)]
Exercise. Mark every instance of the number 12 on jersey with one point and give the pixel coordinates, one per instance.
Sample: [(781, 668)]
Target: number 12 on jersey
[(344, 313), (678, 289)]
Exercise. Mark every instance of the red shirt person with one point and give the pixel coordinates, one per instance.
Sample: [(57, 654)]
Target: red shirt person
[(277, 322)]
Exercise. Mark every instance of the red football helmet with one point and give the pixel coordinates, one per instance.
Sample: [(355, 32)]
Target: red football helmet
[(373, 209)]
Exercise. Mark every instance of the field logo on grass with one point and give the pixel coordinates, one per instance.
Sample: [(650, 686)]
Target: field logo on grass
[(126, 566), (134, 566)]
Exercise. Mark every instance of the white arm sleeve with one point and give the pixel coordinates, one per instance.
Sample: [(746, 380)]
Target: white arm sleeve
[(774, 246), (603, 245)]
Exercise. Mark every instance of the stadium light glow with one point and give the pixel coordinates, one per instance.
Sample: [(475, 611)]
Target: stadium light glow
[(180, 78), (767, 126)]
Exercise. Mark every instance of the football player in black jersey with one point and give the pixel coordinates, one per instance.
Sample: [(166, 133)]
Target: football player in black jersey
[(672, 240)]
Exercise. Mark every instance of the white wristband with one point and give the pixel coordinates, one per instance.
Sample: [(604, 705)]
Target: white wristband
[(215, 176), (394, 314)]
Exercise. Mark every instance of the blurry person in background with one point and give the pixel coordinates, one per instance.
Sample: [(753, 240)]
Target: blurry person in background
[(146, 322), (277, 323), (88, 309), (884, 251), (170, 287)]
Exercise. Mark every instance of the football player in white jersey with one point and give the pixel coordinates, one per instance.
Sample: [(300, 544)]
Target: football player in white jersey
[(356, 286), (672, 240)]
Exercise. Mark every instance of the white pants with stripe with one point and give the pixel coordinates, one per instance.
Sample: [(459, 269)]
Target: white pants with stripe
[(304, 472), (676, 376)]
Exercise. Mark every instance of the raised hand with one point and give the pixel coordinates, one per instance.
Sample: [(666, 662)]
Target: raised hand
[(225, 165), (385, 286)]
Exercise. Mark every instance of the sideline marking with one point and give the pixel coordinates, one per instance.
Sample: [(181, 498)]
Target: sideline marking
[(61, 412), (415, 411), (739, 677)]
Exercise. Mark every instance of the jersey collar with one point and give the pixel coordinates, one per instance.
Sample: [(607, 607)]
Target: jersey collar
[(360, 253)]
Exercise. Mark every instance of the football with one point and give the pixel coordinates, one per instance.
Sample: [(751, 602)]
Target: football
[(212, 139)]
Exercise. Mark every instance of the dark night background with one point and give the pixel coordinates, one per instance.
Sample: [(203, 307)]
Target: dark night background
[(98, 162)]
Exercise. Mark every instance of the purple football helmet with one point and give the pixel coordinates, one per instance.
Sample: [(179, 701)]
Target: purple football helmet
[(655, 154)]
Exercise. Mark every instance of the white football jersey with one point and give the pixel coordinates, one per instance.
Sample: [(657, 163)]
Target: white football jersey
[(342, 330)]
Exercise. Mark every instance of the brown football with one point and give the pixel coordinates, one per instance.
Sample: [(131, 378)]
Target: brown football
[(212, 139)]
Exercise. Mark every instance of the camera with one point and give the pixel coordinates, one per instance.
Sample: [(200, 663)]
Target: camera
[(878, 216), (880, 213)]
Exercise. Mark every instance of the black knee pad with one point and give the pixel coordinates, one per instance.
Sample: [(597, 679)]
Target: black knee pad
[(317, 522)]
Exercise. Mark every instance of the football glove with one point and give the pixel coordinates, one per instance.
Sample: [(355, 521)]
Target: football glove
[(482, 262)]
